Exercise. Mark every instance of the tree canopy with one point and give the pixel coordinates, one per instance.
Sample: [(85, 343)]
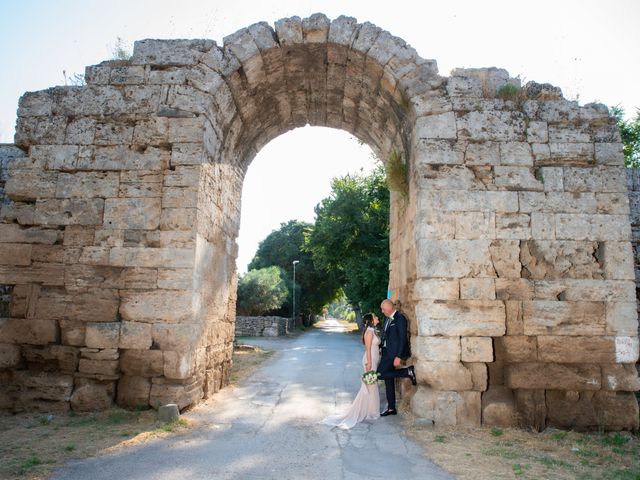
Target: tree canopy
[(261, 290), (314, 288), (630, 135), (350, 237)]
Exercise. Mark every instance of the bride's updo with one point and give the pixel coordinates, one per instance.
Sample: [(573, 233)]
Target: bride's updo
[(367, 321)]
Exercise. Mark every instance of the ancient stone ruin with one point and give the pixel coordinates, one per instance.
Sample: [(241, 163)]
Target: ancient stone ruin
[(510, 245)]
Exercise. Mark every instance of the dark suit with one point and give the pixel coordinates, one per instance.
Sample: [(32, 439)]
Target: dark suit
[(394, 344)]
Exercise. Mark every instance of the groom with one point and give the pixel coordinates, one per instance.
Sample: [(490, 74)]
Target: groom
[(394, 347)]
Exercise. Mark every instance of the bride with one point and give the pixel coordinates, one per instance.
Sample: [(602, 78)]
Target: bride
[(366, 405)]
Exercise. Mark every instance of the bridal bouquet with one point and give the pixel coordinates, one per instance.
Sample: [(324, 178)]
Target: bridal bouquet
[(370, 377)]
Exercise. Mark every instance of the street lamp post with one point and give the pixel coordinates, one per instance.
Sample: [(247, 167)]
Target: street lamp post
[(293, 311)]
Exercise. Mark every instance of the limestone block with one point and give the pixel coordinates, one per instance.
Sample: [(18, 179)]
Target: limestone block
[(178, 219), (454, 258), (425, 289), (130, 213), (461, 318), (86, 276), (437, 152), (169, 52), (612, 203), (69, 211), (179, 197), (512, 226), (140, 278), (517, 348), (542, 259), (621, 318), (52, 357), (498, 407), (514, 289), (516, 153), (44, 385), (342, 30), (436, 349), (516, 178), (531, 408), (477, 349), (568, 376), (492, 125), (28, 331), (102, 335), (557, 202), (15, 254), (78, 236), (43, 130), (609, 154), (81, 131), (187, 154), (542, 317), (22, 213), (55, 157), (571, 153), (541, 153), (123, 157), (29, 185), (436, 225), (98, 367), (176, 337), (91, 397), (505, 258), (450, 177), (439, 126), (173, 306), (473, 201), (474, 225), (114, 133), (584, 289), (617, 259), (447, 408), (552, 178), (589, 410), (289, 31), (477, 289), (152, 257), (45, 274), (87, 184), (537, 132), (592, 227), (595, 179), (72, 332), (142, 363), (618, 376), (543, 226), (168, 413), (175, 278), (483, 153), (9, 355), (162, 393), (135, 335), (315, 28), (178, 365), (96, 305), (133, 391)]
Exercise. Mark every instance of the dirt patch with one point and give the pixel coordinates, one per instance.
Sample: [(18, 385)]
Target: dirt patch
[(494, 453), (246, 360)]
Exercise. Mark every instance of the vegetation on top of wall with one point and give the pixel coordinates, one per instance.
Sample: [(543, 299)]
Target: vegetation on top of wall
[(396, 173), (630, 136)]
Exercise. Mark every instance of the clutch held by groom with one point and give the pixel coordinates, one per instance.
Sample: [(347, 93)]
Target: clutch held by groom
[(394, 347)]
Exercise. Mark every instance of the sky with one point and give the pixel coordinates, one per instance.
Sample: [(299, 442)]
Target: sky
[(589, 48)]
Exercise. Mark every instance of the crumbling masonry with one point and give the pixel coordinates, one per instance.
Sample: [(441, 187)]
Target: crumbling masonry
[(510, 248)]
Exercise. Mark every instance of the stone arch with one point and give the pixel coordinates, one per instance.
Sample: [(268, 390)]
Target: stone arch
[(512, 242)]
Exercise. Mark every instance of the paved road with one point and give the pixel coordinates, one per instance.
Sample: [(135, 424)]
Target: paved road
[(267, 427)]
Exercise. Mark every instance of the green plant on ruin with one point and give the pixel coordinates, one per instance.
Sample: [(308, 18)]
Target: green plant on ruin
[(396, 171), (121, 50)]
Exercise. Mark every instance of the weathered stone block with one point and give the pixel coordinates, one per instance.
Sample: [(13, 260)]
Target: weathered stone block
[(618, 376), (102, 335), (15, 254), (87, 185), (133, 391), (588, 349), (621, 318), (69, 211), (142, 363), (176, 337), (178, 365), (436, 349), (531, 408), (477, 289), (157, 306), (440, 126), (138, 213), (590, 410), (29, 331), (9, 355), (543, 317), (517, 348), (447, 408), (135, 335), (568, 376), (454, 258), (498, 407), (98, 367), (477, 349), (91, 396), (461, 318), (152, 257)]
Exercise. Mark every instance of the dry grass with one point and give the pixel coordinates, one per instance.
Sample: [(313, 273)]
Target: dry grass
[(493, 453), (32, 445)]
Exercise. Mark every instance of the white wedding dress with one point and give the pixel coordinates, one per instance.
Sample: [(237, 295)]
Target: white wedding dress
[(366, 405)]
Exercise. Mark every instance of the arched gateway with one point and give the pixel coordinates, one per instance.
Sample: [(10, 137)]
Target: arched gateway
[(510, 248)]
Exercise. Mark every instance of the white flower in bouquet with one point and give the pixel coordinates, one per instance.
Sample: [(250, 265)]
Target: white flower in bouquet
[(370, 377)]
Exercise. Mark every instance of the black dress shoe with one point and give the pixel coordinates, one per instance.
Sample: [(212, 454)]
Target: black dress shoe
[(412, 375), (389, 412)]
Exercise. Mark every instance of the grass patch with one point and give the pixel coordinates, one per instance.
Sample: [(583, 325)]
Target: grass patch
[(496, 432), (440, 439), (396, 171), (173, 425)]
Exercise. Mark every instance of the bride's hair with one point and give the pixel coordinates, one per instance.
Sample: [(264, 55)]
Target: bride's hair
[(367, 321)]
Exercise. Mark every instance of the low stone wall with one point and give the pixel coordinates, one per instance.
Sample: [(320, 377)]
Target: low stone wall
[(263, 326)]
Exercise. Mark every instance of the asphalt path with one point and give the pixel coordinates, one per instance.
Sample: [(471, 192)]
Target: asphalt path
[(267, 426)]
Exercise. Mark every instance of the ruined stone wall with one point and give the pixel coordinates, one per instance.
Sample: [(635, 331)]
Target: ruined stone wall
[(633, 185), (263, 326), (510, 248)]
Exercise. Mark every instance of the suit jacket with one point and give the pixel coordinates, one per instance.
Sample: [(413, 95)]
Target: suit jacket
[(395, 336)]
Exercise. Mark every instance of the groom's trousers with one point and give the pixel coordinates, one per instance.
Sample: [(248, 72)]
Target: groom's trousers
[(389, 374)]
